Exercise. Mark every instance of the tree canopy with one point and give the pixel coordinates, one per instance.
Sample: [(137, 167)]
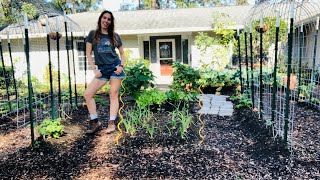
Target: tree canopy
[(165, 4), (76, 6), (10, 10)]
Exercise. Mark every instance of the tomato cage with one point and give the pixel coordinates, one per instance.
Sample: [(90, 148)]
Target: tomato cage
[(38, 66), (279, 61)]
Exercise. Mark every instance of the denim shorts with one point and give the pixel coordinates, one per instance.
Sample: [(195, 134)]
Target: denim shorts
[(107, 72)]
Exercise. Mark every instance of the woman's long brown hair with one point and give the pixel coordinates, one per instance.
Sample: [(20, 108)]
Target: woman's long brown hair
[(110, 30)]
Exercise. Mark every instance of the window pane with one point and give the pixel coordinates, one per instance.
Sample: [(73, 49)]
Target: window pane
[(165, 49)]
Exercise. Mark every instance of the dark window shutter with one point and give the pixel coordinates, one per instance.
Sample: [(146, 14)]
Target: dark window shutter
[(146, 53), (185, 51), (153, 50)]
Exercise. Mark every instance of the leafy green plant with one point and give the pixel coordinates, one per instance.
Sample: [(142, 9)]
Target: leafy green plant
[(8, 79), (138, 77), (306, 89), (241, 101), (268, 122), (129, 125), (185, 121), (315, 100), (185, 78), (173, 123), (178, 96), (136, 119), (51, 128), (218, 79), (151, 97), (151, 128)]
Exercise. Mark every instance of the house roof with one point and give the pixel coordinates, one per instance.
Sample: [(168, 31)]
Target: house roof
[(164, 20)]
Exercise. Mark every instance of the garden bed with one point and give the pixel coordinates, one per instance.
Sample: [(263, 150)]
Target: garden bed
[(236, 147)]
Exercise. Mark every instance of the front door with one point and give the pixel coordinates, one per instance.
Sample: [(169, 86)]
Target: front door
[(166, 55)]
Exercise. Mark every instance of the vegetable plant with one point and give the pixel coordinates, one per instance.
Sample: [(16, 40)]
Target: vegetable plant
[(51, 128)]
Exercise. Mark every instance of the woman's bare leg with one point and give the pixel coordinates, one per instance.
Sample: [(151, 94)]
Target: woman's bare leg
[(93, 87), (114, 103), (89, 93)]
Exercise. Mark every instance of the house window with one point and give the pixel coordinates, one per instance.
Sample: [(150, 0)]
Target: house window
[(146, 52), (82, 60)]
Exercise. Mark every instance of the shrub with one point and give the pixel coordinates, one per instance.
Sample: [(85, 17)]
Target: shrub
[(219, 80), (138, 77), (185, 78), (8, 79)]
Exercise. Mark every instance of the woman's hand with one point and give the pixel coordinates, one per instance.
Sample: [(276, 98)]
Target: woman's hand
[(97, 73), (119, 70)]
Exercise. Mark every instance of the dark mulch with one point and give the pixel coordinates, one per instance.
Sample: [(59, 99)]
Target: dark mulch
[(237, 147)]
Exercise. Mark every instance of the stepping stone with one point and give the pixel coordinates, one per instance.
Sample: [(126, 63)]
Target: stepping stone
[(215, 105)]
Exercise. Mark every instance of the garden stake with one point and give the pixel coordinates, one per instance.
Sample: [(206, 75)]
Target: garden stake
[(85, 60), (286, 113), (68, 58), (251, 59), (59, 78), (119, 112), (50, 70), (12, 69), (74, 68), (29, 78), (261, 48), (300, 58), (239, 56), (4, 76), (314, 57), (246, 51), (275, 71), (200, 114)]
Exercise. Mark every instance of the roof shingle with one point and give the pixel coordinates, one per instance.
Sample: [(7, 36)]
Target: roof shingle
[(163, 20)]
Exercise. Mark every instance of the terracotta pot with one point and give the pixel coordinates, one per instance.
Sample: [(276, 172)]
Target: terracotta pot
[(293, 80), (265, 28), (53, 35)]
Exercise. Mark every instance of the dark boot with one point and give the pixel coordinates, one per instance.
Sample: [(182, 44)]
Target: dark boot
[(94, 126)]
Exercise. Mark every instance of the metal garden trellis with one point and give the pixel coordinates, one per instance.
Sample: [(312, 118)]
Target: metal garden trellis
[(277, 96), (25, 40)]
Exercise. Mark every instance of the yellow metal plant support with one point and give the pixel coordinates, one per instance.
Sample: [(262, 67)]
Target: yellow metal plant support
[(200, 114), (119, 112)]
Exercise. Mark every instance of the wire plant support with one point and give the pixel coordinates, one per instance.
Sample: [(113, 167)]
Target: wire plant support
[(287, 46)]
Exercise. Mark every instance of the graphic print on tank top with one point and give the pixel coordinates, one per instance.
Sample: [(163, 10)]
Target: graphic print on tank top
[(104, 46)]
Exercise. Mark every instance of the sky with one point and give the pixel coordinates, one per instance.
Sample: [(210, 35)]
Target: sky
[(114, 5)]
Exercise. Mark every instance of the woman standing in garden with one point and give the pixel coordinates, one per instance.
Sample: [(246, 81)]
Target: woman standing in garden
[(106, 67)]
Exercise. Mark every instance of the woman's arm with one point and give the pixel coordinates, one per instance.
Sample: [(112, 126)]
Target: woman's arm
[(90, 59), (122, 55)]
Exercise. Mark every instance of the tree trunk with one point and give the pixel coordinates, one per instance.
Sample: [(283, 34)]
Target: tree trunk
[(167, 4), (157, 4)]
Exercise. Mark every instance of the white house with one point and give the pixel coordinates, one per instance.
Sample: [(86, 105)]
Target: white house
[(162, 36)]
